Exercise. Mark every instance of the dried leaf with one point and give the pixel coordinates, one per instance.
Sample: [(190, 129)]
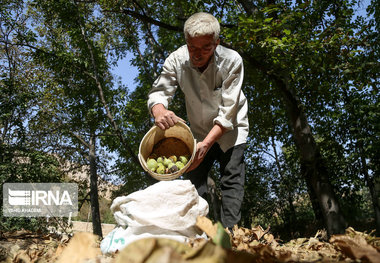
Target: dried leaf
[(239, 233), (356, 248), (152, 250), (20, 234), (59, 250), (254, 243), (206, 226), (258, 232), (22, 256), (269, 238), (82, 246)]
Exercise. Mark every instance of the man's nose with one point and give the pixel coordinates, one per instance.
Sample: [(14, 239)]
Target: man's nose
[(198, 53)]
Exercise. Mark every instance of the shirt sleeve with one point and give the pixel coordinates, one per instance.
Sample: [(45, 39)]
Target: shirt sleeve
[(231, 90), (164, 86)]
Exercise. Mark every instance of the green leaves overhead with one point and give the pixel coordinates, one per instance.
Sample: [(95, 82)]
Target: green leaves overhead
[(57, 87)]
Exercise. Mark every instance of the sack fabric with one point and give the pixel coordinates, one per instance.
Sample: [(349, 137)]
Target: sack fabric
[(166, 209)]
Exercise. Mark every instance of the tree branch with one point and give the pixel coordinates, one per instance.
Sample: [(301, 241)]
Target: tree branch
[(147, 19), (80, 139), (102, 98)]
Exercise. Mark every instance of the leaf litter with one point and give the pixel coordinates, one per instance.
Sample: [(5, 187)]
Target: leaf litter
[(239, 245)]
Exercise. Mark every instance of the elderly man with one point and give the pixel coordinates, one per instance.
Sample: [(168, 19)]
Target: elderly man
[(210, 76)]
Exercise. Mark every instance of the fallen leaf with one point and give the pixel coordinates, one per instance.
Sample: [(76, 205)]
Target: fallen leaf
[(22, 256), (356, 248), (269, 238), (82, 246), (206, 226), (153, 250), (258, 232)]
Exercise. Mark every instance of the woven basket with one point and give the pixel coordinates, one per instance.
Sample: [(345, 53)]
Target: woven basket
[(179, 137)]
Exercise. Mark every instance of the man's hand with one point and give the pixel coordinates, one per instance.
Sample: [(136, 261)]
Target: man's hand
[(202, 149), (164, 118)]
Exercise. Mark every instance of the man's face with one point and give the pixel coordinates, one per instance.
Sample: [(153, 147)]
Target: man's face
[(201, 48)]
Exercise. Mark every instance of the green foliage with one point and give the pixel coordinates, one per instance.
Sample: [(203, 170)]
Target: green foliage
[(321, 51), (221, 238), (57, 56), (19, 165), (11, 224), (20, 161)]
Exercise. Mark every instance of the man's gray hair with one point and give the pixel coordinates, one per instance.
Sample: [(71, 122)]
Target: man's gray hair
[(201, 24)]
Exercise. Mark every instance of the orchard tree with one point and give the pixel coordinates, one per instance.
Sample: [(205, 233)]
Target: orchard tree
[(294, 54), (20, 78), (77, 97)]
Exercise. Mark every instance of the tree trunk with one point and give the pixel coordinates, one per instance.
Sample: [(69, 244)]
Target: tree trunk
[(94, 198), (312, 166), (375, 193), (314, 202), (292, 211), (374, 189), (373, 183)]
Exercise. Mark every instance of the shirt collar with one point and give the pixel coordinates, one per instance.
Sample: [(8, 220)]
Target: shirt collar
[(210, 64)]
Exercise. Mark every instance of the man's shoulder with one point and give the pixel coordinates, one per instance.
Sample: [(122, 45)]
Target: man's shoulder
[(178, 58), (227, 53), (180, 53)]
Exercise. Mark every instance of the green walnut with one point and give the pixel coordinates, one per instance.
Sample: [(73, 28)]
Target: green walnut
[(167, 162), (160, 160), (152, 164), (180, 165), (183, 159), (160, 169)]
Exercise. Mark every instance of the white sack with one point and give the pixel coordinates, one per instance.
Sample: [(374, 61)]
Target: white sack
[(166, 209)]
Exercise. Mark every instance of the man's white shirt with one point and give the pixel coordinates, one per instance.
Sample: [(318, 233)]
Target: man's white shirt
[(212, 96)]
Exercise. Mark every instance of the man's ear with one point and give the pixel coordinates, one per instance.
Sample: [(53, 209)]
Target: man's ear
[(217, 42)]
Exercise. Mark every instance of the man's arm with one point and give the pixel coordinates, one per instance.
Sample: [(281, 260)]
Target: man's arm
[(204, 146), (231, 91)]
